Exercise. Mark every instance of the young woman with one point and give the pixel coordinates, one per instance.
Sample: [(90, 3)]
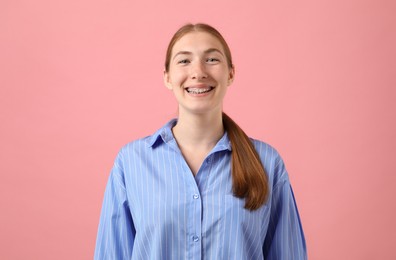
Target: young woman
[(199, 188)]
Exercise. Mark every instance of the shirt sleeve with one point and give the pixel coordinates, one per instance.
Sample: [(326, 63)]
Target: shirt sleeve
[(116, 232), (285, 237)]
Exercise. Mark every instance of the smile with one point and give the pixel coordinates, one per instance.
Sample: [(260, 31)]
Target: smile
[(199, 90)]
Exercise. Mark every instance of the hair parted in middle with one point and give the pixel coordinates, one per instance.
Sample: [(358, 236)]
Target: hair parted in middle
[(249, 179)]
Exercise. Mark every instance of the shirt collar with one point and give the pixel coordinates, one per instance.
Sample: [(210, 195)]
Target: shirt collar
[(165, 135)]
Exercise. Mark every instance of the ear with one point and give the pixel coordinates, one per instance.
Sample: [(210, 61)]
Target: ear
[(231, 75), (167, 80)]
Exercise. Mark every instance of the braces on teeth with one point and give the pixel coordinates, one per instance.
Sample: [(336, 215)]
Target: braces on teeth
[(199, 91)]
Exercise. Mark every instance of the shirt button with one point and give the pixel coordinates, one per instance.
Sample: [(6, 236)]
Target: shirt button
[(195, 196), (195, 238)]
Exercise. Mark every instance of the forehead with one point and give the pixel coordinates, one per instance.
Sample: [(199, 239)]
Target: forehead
[(197, 41)]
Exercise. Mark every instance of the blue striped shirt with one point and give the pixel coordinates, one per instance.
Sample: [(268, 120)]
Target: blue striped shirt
[(155, 208)]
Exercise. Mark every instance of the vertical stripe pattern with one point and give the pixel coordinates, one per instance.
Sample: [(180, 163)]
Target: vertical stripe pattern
[(155, 208)]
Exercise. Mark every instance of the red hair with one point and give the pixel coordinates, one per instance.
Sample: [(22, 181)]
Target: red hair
[(249, 179)]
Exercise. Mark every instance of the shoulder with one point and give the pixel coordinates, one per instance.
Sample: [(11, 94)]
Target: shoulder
[(137, 143), (148, 143), (131, 149), (265, 150), (133, 155), (272, 161), (142, 148)]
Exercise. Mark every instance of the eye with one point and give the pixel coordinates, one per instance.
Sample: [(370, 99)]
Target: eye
[(212, 60), (184, 61)]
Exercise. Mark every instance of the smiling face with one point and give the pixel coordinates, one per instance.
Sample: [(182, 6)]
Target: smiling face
[(198, 73)]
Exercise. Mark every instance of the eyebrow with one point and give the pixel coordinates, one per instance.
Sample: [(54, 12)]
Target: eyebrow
[(206, 52)]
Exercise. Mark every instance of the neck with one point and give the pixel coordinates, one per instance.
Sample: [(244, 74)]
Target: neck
[(201, 131)]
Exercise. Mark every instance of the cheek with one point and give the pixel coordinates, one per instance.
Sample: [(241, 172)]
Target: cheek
[(223, 79), (177, 78), (221, 74)]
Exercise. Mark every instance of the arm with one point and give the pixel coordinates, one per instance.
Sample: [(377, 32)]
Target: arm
[(285, 236), (116, 231)]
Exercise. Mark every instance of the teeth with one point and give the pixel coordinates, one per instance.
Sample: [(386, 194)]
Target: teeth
[(198, 90)]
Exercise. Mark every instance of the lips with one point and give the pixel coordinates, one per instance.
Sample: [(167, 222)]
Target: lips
[(199, 89)]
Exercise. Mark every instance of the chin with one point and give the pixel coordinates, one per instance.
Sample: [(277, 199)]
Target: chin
[(200, 110)]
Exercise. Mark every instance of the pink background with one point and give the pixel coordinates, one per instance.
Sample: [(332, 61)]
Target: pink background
[(79, 79)]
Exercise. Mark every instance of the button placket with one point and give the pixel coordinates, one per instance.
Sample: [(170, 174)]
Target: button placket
[(195, 238), (195, 235), (209, 160)]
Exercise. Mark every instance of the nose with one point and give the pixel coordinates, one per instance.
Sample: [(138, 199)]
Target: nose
[(198, 71)]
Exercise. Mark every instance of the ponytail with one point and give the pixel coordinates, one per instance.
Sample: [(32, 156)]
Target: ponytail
[(249, 179)]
